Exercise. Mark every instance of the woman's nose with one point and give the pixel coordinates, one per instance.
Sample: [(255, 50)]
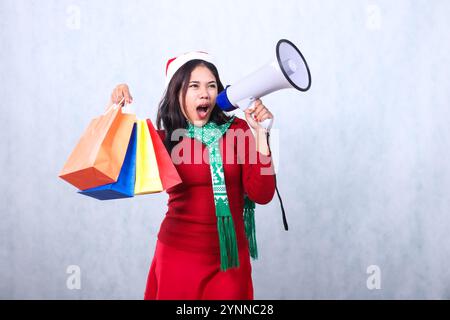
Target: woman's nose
[(204, 93)]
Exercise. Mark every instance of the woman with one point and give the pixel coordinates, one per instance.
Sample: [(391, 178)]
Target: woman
[(207, 236)]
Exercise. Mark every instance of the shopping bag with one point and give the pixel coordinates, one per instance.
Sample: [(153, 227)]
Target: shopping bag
[(147, 173), (167, 172), (97, 158), (124, 187)]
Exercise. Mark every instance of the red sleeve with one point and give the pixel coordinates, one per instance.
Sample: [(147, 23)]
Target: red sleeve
[(257, 169)]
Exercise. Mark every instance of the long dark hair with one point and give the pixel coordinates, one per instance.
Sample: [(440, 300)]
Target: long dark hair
[(170, 116)]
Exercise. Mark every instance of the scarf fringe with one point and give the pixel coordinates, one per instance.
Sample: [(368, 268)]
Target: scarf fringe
[(250, 228), (228, 246)]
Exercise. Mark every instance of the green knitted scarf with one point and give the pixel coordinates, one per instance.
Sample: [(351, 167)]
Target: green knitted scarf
[(209, 135)]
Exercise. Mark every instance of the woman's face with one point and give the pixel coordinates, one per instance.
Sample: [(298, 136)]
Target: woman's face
[(200, 96)]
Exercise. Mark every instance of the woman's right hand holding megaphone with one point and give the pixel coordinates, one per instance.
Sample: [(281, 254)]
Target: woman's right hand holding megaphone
[(256, 114)]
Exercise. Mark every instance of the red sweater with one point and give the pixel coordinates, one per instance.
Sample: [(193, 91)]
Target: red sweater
[(190, 222)]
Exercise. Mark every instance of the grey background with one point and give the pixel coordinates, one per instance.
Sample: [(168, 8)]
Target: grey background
[(363, 161)]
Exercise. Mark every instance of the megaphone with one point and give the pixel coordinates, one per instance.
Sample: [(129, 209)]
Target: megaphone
[(288, 70)]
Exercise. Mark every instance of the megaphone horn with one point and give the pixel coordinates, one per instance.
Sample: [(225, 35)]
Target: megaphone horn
[(288, 70)]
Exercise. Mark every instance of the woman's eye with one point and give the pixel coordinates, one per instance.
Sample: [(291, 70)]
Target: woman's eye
[(196, 86)]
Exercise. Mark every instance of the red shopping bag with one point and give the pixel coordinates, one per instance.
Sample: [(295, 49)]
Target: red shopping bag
[(167, 171)]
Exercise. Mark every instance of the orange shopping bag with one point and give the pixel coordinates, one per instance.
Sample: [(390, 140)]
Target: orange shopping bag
[(99, 154), (167, 171)]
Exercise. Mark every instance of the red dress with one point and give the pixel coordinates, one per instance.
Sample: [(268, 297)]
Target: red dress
[(186, 263)]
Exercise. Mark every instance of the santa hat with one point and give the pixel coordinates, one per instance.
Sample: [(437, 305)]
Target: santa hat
[(176, 63)]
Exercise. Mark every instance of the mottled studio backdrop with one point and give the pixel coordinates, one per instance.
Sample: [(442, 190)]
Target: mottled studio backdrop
[(363, 160)]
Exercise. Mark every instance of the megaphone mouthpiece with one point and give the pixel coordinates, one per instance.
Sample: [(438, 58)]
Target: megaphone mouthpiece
[(223, 102)]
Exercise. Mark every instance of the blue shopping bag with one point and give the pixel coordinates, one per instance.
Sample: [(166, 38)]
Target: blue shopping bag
[(124, 187)]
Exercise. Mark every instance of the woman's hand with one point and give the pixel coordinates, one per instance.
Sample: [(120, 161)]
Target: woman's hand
[(120, 92), (260, 113)]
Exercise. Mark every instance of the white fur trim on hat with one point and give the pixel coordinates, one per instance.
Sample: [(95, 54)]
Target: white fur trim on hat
[(176, 63)]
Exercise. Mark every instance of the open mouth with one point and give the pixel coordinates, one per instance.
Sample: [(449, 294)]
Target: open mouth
[(202, 110)]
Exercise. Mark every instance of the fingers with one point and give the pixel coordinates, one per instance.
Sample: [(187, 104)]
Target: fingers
[(121, 92), (266, 114), (250, 119), (117, 94), (127, 96), (258, 107), (259, 111)]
